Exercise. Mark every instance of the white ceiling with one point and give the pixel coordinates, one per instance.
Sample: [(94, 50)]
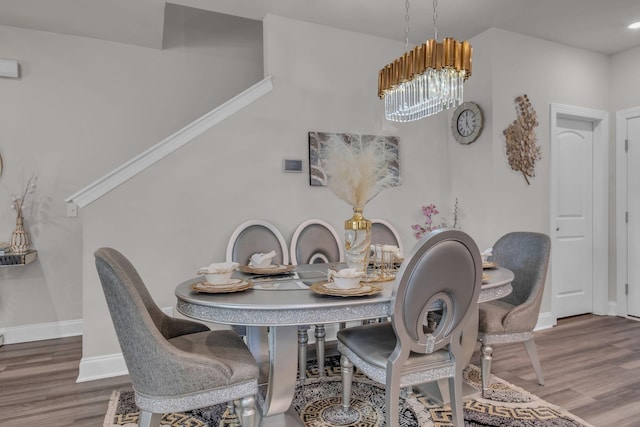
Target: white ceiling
[(596, 25)]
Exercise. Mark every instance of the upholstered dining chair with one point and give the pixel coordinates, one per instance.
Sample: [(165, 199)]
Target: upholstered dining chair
[(512, 319), (255, 236), (384, 233), (314, 241), (174, 364), (443, 271)]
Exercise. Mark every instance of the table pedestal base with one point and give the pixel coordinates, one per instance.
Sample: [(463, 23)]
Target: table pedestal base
[(278, 364)]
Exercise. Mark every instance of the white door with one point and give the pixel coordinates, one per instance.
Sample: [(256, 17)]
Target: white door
[(633, 209), (572, 254)]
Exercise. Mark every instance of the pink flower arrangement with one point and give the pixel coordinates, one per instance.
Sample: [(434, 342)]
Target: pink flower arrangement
[(429, 212)]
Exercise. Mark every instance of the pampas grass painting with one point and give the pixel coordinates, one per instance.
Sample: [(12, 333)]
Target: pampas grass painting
[(355, 167)]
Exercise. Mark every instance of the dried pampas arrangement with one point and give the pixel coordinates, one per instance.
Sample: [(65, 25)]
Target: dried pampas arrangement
[(522, 150), (358, 171)]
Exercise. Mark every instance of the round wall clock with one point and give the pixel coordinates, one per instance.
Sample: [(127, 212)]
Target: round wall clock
[(467, 122)]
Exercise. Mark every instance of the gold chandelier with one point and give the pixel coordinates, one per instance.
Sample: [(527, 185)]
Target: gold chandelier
[(426, 79)]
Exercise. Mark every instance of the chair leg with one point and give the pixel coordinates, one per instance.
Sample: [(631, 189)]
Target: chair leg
[(485, 366), (455, 397), (347, 376), (392, 399), (148, 419), (248, 412), (319, 335), (530, 345), (231, 407), (303, 339)]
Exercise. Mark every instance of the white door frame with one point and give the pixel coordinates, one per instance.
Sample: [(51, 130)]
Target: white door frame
[(621, 208), (600, 265)]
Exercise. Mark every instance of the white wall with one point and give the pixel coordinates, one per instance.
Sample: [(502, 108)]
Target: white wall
[(83, 107), (499, 200), (182, 210), (78, 112)]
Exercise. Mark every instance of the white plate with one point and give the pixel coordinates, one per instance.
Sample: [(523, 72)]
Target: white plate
[(358, 289)]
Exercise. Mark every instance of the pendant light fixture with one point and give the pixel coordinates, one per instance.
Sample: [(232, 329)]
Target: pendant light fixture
[(426, 79)]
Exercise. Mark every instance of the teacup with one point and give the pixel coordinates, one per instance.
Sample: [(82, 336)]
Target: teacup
[(347, 278), (219, 273)]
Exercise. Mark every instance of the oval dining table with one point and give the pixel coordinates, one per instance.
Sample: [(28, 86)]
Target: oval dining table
[(282, 303)]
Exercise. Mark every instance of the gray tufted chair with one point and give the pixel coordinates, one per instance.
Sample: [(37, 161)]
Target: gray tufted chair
[(313, 242), (174, 364), (512, 318), (444, 270)]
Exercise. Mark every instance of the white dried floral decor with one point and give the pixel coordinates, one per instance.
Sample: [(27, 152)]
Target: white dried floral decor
[(522, 150), (356, 173)]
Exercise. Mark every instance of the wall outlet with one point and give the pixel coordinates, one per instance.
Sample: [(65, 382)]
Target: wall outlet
[(72, 209)]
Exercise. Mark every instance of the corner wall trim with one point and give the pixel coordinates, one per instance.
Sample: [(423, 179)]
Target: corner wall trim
[(99, 367), (113, 179)]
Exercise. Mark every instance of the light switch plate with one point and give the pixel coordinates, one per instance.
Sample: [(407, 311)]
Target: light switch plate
[(292, 165), (9, 68)]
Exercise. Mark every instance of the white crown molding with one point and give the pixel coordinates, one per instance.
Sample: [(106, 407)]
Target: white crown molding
[(108, 182)]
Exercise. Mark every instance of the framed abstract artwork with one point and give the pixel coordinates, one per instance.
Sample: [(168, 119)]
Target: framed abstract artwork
[(317, 175)]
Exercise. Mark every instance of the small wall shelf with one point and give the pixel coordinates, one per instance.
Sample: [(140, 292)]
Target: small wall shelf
[(10, 259)]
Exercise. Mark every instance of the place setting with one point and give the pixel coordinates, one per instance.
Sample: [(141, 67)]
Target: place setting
[(218, 279), (347, 282), (384, 262), (261, 264)]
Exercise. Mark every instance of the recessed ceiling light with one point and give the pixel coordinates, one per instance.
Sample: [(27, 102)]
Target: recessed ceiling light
[(634, 26)]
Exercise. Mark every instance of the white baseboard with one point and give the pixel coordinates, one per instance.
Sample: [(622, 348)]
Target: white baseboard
[(42, 331), (613, 308), (110, 365), (546, 321), (99, 367)]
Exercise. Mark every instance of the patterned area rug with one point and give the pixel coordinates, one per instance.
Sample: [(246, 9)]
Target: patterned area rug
[(318, 402)]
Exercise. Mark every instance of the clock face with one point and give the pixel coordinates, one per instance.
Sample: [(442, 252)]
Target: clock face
[(467, 123)]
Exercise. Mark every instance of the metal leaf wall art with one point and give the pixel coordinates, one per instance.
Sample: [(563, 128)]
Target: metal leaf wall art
[(522, 150)]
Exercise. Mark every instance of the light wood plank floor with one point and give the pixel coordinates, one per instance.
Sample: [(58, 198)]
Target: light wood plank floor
[(591, 366)]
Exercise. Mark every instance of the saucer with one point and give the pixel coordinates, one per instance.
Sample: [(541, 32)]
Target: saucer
[(269, 269), (233, 285), (330, 288)]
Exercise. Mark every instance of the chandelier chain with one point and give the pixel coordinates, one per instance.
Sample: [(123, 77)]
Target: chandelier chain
[(435, 19), (406, 28)]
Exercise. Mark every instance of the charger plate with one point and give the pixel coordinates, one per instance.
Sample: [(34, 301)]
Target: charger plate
[(374, 278), (322, 288), (489, 265), (272, 269), (234, 285)]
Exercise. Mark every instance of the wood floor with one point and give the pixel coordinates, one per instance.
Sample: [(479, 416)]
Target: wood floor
[(591, 366)]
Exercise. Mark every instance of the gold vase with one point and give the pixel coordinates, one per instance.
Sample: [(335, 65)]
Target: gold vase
[(19, 238), (357, 240)]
